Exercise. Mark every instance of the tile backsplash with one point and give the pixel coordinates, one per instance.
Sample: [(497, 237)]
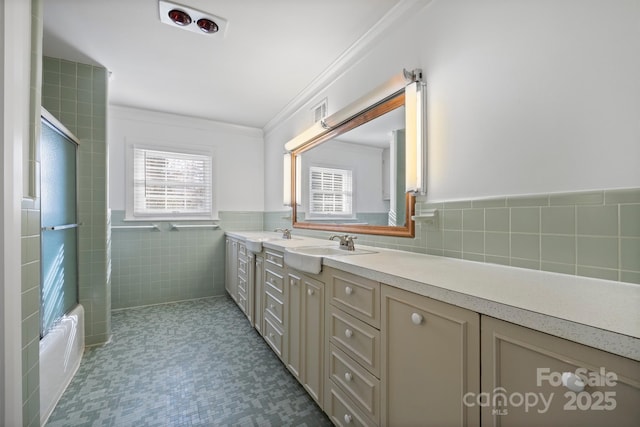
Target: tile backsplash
[(591, 233)]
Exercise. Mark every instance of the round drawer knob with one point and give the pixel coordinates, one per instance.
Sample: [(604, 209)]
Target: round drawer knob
[(272, 306), (310, 292), (348, 290), (348, 333), (347, 376), (347, 418), (270, 334), (573, 382), (417, 318)]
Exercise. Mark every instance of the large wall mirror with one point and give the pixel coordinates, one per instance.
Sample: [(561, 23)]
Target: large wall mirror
[(358, 171)]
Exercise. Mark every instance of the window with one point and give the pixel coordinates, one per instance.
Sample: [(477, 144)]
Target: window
[(172, 184), (330, 192)]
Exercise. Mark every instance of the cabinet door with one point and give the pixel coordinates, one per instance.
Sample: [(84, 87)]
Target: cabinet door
[(522, 381), (231, 272), (313, 337), (258, 315), (234, 270), (430, 361), (294, 324)]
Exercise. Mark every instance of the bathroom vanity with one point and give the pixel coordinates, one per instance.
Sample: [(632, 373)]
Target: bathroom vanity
[(380, 337)]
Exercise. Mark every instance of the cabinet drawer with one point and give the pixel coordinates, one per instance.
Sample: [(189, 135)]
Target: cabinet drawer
[(274, 336), (242, 303), (242, 268), (242, 249), (275, 307), (356, 295), (275, 258), (342, 411), (242, 287), (356, 338), (361, 386), (274, 279)]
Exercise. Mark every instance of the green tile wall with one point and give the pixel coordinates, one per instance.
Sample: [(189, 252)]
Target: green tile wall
[(592, 233), (76, 94), (160, 266)]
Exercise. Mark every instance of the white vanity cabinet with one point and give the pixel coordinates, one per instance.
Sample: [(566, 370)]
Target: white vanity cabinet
[(522, 372), (242, 281), (430, 361), (352, 354), (258, 291), (239, 275), (274, 297), (305, 321), (231, 268)]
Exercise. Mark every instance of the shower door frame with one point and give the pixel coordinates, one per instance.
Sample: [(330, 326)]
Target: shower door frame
[(58, 127)]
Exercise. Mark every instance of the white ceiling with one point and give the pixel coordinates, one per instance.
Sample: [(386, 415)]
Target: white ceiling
[(272, 51)]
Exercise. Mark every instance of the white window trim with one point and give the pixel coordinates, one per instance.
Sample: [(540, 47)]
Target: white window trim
[(328, 217), (129, 184)]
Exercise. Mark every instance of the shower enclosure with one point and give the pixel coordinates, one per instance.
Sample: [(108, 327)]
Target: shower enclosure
[(62, 318), (59, 238)]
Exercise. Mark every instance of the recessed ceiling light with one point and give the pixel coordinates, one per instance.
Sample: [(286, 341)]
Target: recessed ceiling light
[(191, 19)]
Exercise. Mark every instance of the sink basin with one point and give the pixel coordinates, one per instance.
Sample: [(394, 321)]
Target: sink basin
[(309, 258), (327, 251), (255, 245)]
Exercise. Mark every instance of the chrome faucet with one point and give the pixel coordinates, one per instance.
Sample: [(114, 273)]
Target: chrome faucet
[(346, 242), (286, 233)]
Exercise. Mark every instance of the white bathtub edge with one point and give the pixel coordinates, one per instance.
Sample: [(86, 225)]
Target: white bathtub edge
[(60, 356)]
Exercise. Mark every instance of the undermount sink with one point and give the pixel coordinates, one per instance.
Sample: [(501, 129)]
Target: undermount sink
[(309, 258)]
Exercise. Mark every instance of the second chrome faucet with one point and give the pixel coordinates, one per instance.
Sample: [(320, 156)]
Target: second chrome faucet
[(346, 241)]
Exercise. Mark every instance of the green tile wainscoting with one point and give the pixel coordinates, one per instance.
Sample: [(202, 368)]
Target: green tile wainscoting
[(160, 266), (587, 233)]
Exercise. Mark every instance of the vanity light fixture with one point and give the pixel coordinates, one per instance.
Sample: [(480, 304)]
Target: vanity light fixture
[(191, 19), (287, 180)]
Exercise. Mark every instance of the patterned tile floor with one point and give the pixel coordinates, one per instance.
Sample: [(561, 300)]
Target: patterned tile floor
[(195, 363)]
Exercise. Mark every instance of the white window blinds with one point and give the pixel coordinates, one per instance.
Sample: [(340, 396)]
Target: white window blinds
[(330, 192), (170, 184)]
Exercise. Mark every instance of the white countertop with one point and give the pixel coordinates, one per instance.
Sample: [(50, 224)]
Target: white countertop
[(600, 313)]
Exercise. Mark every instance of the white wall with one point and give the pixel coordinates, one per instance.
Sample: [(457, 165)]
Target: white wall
[(238, 153), (15, 48), (524, 97)]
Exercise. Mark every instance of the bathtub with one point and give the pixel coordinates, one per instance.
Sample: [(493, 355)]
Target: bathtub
[(60, 354)]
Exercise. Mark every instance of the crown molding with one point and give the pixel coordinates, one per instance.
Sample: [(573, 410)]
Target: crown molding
[(348, 58)]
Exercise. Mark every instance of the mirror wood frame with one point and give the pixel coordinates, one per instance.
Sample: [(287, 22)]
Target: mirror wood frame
[(396, 100)]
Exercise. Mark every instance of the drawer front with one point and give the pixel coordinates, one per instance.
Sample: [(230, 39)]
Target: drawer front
[(356, 295), (275, 258), (274, 279), (242, 287), (274, 337), (361, 386), (343, 412), (242, 303), (275, 307), (242, 249), (356, 338), (242, 268)]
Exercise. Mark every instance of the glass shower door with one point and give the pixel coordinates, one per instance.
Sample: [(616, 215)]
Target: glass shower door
[(59, 236)]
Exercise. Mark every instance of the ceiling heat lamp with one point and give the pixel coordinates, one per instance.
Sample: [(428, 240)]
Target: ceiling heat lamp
[(191, 19)]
